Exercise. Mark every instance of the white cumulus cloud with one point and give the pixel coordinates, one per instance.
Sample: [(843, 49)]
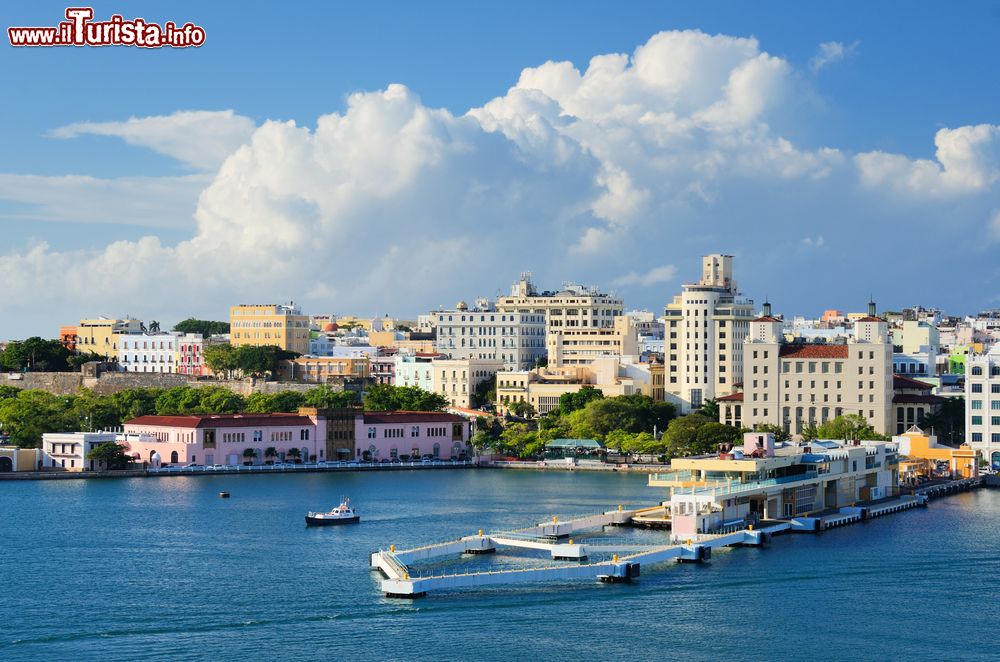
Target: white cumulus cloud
[(655, 276)]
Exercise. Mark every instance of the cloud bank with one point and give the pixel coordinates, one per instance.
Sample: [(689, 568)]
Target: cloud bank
[(635, 164)]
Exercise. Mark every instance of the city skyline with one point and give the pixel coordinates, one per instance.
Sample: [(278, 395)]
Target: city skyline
[(410, 180)]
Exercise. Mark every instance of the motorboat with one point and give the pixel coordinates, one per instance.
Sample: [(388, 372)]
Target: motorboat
[(342, 514)]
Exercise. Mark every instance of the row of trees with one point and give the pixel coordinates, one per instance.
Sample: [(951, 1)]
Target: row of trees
[(205, 327)]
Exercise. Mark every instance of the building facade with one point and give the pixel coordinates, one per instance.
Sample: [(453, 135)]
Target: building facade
[(580, 346), (414, 369), (145, 352), (322, 369), (457, 379), (98, 335), (269, 324), (67, 451), (190, 359), (417, 434), (575, 306), (982, 404), (795, 385), (516, 338), (704, 329)]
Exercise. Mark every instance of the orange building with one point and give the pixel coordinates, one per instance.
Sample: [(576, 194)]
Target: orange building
[(920, 454), (67, 336)]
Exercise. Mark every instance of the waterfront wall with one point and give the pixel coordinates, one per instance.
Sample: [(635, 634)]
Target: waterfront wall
[(68, 383)]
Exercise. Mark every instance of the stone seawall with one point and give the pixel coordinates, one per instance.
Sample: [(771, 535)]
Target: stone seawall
[(68, 383)]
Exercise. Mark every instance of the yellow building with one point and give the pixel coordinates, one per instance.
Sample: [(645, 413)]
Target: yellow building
[(922, 452), (417, 342), (99, 335), (580, 346), (13, 458), (269, 324)]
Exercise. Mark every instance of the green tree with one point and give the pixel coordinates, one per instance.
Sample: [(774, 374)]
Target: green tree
[(810, 432), (848, 426), (8, 391), (697, 434), (522, 408), (35, 354), (948, 423), (324, 397), (222, 360), (135, 402), (270, 453), (283, 401), (249, 454), (517, 439), (199, 400), (710, 408), (204, 327), (294, 453), (385, 397), (632, 413), (32, 413), (111, 454), (95, 412), (574, 400), (485, 392), (260, 361)]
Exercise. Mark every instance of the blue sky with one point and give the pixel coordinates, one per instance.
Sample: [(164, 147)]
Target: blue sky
[(907, 71)]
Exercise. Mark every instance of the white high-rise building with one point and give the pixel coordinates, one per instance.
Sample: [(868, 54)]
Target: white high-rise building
[(982, 404), (705, 326)]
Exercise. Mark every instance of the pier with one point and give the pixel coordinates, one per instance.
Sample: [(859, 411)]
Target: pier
[(627, 557)]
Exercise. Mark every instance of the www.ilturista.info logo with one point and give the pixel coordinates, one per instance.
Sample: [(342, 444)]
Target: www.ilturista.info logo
[(81, 30)]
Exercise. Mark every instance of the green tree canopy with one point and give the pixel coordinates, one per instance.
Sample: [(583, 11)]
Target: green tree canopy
[(35, 354), (205, 327), (324, 397), (848, 426), (32, 413), (697, 434), (574, 400), (282, 401), (199, 400), (111, 454), (778, 431), (384, 397)]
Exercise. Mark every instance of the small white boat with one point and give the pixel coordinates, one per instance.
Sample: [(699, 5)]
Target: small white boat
[(342, 514)]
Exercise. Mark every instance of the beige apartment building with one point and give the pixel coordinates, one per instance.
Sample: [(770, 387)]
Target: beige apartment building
[(269, 324), (798, 384), (579, 346), (576, 306), (457, 379), (542, 387), (704, 329)]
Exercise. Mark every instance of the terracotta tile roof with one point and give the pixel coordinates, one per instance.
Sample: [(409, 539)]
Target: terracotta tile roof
[(732, 397), (871, 319), (813, 352), (906, 398), (902, 381), (767, 318), (223, 421), (411, 417)]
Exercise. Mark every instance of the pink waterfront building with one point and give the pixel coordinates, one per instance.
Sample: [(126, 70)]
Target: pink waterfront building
[(392, 434), (310, 435)]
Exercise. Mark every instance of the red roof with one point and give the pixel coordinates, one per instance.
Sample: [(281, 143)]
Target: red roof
[(767, 318), (223, 420), (813, 351), (906, 398), (732, 397), (902, 381), (411, 417), (871, 319)]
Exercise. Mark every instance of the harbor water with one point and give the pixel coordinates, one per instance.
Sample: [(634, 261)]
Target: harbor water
[(163, 569)]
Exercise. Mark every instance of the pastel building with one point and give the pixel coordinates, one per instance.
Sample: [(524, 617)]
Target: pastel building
[(67, 451), (323, 369), (391, 434), (190, 356), (310, 434), (99, 335), (573, 306), (269, 324), (580, 346), (515, 338), (982, 404), (143, 352), (13, 458), (415, 369), (767, 480), (457, 379)]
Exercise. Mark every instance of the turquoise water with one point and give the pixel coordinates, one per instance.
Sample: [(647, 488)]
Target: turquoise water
[(165, 569)]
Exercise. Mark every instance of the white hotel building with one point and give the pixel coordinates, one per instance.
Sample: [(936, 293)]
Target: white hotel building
[(982, 404), (143, 352)]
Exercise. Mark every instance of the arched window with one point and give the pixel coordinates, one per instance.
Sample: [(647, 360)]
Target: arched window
[(173, 457), (977, 371)]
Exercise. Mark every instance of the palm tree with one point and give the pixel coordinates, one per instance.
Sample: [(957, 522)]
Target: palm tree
[(710, 408), (249, 454), (270, 451), (294, 453)]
